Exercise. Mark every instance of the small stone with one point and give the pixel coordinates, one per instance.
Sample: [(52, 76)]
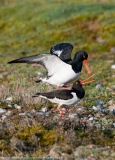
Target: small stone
[(9, 99), (11, 105), (114, 124), (81, 108), (100, 40), (55, 152), (22, 114), (72, 116), (2, 110), (98, 86), (113, 87), (40, 112), (98, 125), (44, 109), (112, 50), (33, 111), (110, 102), (91, 119), (47, 114), (113, 66), (94, 108), (8, 113), (41, 74), (99, 102), (112, 108), (17, 106), (85, 118), (106, 111), (100, 107), (4, 117)]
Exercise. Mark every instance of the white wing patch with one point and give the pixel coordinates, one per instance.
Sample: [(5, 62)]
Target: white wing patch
[(58, 52)]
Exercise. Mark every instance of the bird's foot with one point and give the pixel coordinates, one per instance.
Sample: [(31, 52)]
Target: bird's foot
[(67, 87), (58, 88), (62, 113), (60, 110), (67, 110)]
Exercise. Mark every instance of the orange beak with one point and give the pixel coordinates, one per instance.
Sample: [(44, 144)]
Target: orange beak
[(87, 66), (85, 81)]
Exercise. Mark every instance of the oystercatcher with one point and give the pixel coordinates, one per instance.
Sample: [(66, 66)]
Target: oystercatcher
[(59, 72), (66, 97)]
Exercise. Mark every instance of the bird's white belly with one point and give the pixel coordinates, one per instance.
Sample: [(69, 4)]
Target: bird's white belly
[(66, 102), (63, 77)]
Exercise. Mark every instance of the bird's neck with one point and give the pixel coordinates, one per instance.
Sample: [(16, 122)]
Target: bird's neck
[(77, 66), (80, 92)]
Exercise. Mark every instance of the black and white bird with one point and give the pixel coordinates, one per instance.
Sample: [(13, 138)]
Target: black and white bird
[(66, 97), (60, 73)]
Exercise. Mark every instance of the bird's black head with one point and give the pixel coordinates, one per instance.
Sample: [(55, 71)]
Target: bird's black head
[(81, 55), (77, 87), (77, 84)]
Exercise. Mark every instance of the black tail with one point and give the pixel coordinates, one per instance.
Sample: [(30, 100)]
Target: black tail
[(18, 61), (36, 95), (38, 81)]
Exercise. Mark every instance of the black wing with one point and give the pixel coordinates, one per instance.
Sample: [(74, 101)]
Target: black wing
[(63, 51), (60, 94)]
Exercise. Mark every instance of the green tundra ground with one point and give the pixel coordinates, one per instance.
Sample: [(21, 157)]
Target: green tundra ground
[(31, 27)]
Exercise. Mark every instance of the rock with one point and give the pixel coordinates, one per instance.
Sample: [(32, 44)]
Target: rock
[(112, 108), (91, 119), (112, 50), (100, 107), (44, 109), (4, 117), (81, 108), (99, 86), (40, 112), (11, 105), (8, 113), (113, 66), (41, 74), (100, 40), (114, 125), (22, 114), (9, 99), (72, 115), (113, 87), (33, 111), (17, 106), (85, 118), (99, 102), (47, 114), (66, 156), (110, 102), (94, 108), (55, 152), (2, 111)]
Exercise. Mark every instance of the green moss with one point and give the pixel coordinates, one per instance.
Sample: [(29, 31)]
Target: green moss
[(47, 137)]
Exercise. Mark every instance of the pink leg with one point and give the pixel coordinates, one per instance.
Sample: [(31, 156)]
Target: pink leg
[(58, 88), (67, 110), (59, 109), (67, 87)]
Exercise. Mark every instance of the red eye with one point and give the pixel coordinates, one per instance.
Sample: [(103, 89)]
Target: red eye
[(84, 57)]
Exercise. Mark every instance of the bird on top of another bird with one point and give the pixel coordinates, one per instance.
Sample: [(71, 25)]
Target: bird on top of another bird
[(59, 65)]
